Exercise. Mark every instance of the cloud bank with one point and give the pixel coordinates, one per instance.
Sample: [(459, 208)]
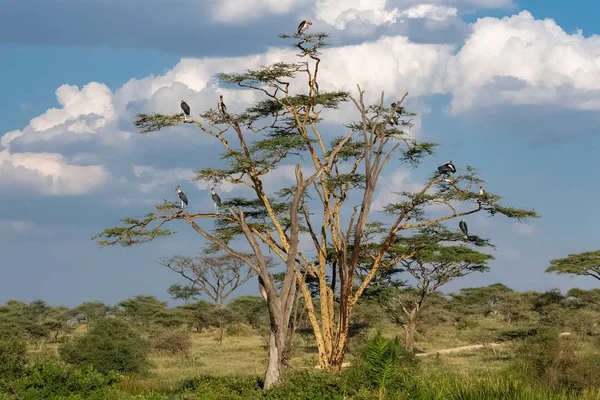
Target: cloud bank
[(89, 142)]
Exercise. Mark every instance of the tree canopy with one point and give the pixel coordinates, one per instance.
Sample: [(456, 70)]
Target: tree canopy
[(584, 264)]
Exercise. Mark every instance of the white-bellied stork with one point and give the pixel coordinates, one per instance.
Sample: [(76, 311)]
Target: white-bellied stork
[(447, 168), (182, 196), (186, 109), (216, 199), (221, 106), (481, 191), (303, 26), (463, 227)]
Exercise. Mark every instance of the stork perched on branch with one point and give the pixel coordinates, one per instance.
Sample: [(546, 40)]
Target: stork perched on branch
[(186, 109), (463, 227), (182, 196), (303, 26), (447, 168), (216, 199), (221, 106)]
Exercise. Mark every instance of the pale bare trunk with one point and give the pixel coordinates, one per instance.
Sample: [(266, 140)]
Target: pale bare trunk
[(410, 329), (273, 374)]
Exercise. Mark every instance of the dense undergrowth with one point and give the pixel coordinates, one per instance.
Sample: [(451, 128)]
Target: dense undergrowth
[(545, 367)]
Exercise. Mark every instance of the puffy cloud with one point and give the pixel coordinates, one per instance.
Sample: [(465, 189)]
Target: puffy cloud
[(234, 11), (88, 110), (436, 13), (520, 60), (398, 181), (516, 60), (49, 174)]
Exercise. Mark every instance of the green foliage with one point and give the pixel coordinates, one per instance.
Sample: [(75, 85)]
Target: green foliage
[(253, 310), (110, 345), (585, 264), (135, 231), (58, 381), (143, 309), (381, 366), (12, 357), (154, 122), (183, 292)]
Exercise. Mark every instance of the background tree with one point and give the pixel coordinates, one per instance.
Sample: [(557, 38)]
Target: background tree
[(183, 292), (347, 171), (142, 309), (584, 264), (217, 277), (479, 301), (93, 310), (431, 267)]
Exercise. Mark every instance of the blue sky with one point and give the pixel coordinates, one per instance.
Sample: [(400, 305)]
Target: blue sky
[(508, 87)]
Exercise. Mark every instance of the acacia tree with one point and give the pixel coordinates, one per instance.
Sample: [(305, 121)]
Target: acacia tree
[(183, 292), (584, 264), (217, 277), (347, 171), (431, 267)]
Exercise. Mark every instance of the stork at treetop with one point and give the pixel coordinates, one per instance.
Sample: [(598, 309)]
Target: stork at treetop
[(216, 199), (182, 196), (221, 106), (481, 191), (186, 109), (303, 26), (447, 168), (463, 227)]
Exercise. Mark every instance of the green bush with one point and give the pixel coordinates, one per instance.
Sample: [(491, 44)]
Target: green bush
[(12, 357), (382, 366), (110, 345), (52, 380), (174, 342)]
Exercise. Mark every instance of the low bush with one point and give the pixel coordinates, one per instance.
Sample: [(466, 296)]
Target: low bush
[(173, 342), (110, 345), (55, 380), (12, 357)]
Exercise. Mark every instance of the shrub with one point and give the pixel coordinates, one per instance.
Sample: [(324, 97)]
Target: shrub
[(174, 342), (110, 345), (381, 366), (12, 357), (51, 380)]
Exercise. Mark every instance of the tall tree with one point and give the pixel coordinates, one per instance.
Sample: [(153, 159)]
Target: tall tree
[(584, 264), (432, 266), (217, 277), (346, 169)]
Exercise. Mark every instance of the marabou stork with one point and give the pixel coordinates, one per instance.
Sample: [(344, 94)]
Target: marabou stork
[(463, 227), (186, 109), (221, 106), (182, 196), (303, 26), (216, 199), (447, 168), (481, 195), (394, 120)]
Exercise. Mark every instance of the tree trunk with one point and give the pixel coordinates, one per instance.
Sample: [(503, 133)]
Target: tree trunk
[(410, 329), (273, 374)]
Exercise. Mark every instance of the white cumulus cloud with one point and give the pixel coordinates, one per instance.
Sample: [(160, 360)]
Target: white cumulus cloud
[(523, 60), (49, 174)]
